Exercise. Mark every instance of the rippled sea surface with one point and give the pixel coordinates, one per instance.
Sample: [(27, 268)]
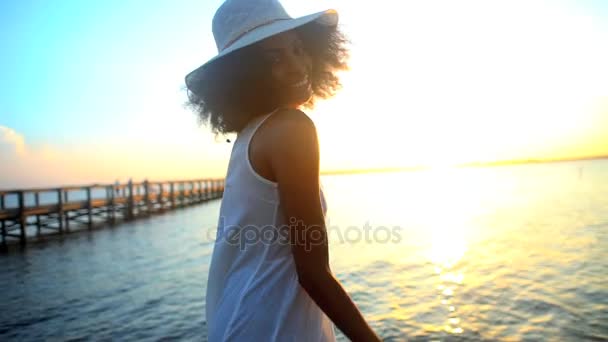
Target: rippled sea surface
[(503, 253)]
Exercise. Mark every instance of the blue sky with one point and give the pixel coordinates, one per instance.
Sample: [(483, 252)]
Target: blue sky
[(80, 66), (75, 66), (100, 82)]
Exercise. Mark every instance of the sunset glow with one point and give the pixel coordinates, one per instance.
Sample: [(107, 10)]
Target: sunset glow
[(431, 84)]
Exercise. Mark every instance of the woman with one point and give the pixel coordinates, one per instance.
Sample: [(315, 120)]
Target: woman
[(269, 278)]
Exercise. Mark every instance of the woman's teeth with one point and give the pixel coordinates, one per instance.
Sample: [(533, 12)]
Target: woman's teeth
[(301, 83)]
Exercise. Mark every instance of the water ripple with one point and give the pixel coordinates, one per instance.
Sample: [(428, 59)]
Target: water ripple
[(530, 264)]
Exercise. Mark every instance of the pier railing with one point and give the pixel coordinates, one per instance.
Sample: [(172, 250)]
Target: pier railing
[(33, 213)]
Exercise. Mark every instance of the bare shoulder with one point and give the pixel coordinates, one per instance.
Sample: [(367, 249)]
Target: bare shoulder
[(293, 146), (285, 140), (290, 131), (287, 122)]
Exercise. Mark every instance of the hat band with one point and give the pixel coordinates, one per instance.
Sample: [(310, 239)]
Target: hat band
[(240, 35)]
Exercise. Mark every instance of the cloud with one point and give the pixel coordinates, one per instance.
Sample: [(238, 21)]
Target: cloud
[(24, 165), (11, 141)]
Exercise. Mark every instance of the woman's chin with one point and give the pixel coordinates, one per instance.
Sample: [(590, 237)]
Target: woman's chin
[(296, 105), (300, 99), (295, 98)]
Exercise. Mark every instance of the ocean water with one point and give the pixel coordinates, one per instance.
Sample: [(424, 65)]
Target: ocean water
[(504, 253)]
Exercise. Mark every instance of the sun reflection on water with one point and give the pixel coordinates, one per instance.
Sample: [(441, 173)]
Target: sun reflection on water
[(470, 258), (447, 234), (445, 252)]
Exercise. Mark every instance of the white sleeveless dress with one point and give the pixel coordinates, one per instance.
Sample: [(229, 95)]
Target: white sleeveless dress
[(253, 293)]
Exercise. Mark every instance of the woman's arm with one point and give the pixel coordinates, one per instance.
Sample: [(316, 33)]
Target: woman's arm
[(294, 159)]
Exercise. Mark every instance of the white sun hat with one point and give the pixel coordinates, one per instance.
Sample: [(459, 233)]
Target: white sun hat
[(240, 23)]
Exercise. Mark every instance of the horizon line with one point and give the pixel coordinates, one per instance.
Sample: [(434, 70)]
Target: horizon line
[(466, 164), (348, 171)]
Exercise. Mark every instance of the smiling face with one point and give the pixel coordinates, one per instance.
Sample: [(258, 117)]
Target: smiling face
[(291, 68)]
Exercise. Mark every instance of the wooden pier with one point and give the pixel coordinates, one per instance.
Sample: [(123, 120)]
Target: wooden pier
[(35, 213)]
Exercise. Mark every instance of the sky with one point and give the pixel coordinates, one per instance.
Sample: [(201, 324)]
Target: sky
[(92, 91)]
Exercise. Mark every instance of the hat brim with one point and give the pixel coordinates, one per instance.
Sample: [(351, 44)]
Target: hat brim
[(327, 18)]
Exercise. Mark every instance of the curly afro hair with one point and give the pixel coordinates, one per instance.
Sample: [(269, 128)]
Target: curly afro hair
[(235, 88)]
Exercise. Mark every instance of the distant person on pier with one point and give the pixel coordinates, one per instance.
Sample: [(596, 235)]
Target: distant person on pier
[(269, 278)]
